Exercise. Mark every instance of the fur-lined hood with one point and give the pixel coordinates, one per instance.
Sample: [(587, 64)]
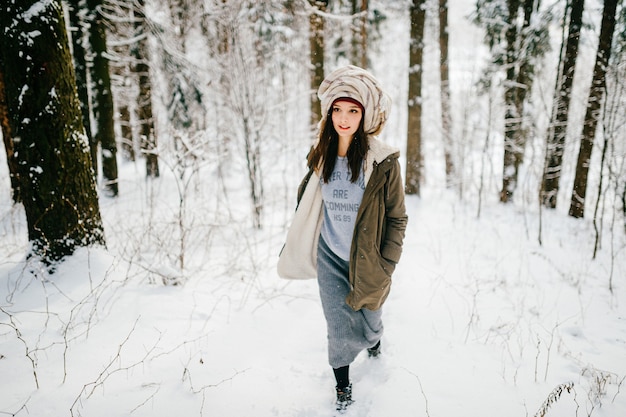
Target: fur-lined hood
[(378, 151)]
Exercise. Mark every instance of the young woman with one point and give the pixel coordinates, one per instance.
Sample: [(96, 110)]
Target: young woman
[(350, 221)]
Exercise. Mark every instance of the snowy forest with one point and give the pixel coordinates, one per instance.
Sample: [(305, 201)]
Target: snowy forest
[(152, 155)]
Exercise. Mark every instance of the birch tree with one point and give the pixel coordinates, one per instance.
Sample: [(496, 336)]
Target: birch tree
[(555, 144), (444, 74), (594, 104)]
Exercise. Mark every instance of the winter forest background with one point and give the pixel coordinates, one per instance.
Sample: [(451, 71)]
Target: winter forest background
[(149, 179)]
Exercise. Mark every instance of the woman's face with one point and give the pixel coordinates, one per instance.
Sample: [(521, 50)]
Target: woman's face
[(346, 118)]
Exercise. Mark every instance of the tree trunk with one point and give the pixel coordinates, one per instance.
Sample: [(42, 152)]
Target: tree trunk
[(444, 72), (359, 33), (556, 139), (80, 69), (127, 144), (316, 36), (121, 28), (148, 139), (414, 132), (519, 81), (594, 104), (624, 205), (8, 141), (102, 104), (512, 115), (56, 180), (364, 20)]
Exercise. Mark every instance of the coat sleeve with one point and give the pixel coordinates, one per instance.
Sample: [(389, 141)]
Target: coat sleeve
[(395, 216)]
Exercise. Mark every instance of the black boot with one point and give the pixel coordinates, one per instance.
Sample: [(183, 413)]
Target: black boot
[(374, 351), (344, 397)]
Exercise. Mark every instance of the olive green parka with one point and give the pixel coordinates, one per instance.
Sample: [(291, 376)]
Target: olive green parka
[(378, 231)]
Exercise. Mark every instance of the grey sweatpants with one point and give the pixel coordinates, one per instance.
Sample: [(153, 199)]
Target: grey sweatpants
[(349, 331)]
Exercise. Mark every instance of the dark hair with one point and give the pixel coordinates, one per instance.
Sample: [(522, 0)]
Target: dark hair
[(325, 152)]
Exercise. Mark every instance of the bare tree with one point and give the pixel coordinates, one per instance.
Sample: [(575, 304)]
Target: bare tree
[(518, 81), (244, 68), (78, 39), (517, 41), (352, 30), (185, 96), (55, 173), (120, 17), (594, 104), (414, 162), (148, 138), (618, 87), (513, 136), (102, 103), (555, 143), (446, 113)]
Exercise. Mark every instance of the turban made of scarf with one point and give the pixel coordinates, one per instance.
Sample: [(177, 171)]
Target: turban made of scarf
[(357, 84)]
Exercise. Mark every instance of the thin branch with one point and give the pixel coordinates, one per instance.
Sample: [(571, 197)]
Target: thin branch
[(89, 388), (421, 389)]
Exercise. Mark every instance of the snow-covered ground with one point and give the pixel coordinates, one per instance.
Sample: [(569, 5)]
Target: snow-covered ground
[(482, 320), (495, 310)]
